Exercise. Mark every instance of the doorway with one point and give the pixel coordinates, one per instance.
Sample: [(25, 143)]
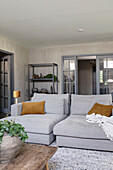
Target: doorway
[(86, 76), (6, 82)]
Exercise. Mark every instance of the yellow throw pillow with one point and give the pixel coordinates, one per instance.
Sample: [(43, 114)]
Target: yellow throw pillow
[(33, 108), (105, 110)]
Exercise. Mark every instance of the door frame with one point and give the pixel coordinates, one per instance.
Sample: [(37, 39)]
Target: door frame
[(76, 72), (98, 55), (10, 78)]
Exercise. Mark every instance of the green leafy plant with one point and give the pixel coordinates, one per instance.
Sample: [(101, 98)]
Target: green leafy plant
[(13, 129), (51, 76)]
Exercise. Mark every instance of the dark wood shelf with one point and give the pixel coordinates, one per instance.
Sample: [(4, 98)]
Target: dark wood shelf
[(43, 65), (42, 79), (32, 82)]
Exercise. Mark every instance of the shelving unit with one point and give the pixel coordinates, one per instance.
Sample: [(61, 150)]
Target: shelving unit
[(31, 67)]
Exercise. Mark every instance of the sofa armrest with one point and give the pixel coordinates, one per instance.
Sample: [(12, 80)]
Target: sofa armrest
[(16, 109)]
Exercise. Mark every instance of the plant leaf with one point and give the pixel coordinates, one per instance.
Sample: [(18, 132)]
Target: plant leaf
[(1, 133), (13, 129)]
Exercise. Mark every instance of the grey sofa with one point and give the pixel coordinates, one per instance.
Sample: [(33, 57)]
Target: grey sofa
[(74, 131), (40, 127)]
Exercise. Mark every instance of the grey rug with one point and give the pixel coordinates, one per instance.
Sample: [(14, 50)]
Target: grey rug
[(78, 159)]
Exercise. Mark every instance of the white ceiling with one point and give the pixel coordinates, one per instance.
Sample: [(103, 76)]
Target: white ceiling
[(55, 22)]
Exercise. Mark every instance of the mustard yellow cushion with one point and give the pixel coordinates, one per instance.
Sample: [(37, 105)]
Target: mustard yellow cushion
[(105, 110), (33, 107)]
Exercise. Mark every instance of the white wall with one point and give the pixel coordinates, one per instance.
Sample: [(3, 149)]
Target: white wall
[(23, 56), (53, 54), (21, 61)]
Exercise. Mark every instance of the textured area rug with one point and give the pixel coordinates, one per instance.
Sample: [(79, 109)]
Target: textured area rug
[(78, 159)]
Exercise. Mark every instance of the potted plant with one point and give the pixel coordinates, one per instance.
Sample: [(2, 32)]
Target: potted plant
[(11, 137)]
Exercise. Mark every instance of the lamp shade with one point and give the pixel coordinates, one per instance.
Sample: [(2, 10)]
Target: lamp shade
[(16, 94)]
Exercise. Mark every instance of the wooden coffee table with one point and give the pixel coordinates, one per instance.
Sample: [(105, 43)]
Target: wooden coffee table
[(31, 157)]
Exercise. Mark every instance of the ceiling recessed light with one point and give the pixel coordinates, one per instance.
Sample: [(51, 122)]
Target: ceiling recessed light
[(80, 30)]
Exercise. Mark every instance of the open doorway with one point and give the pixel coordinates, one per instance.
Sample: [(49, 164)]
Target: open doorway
[(87, 75)]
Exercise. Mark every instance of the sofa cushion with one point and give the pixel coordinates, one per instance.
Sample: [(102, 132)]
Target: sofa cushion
[(81, 104), (33, 108), (54, 97), (76, 126), (53, 106), (42, 124), (105, 110)]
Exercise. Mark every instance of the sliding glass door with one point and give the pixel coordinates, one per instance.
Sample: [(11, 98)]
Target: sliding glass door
[(104, 74)]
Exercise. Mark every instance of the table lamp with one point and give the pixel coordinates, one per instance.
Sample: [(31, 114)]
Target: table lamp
[(16, 94)]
